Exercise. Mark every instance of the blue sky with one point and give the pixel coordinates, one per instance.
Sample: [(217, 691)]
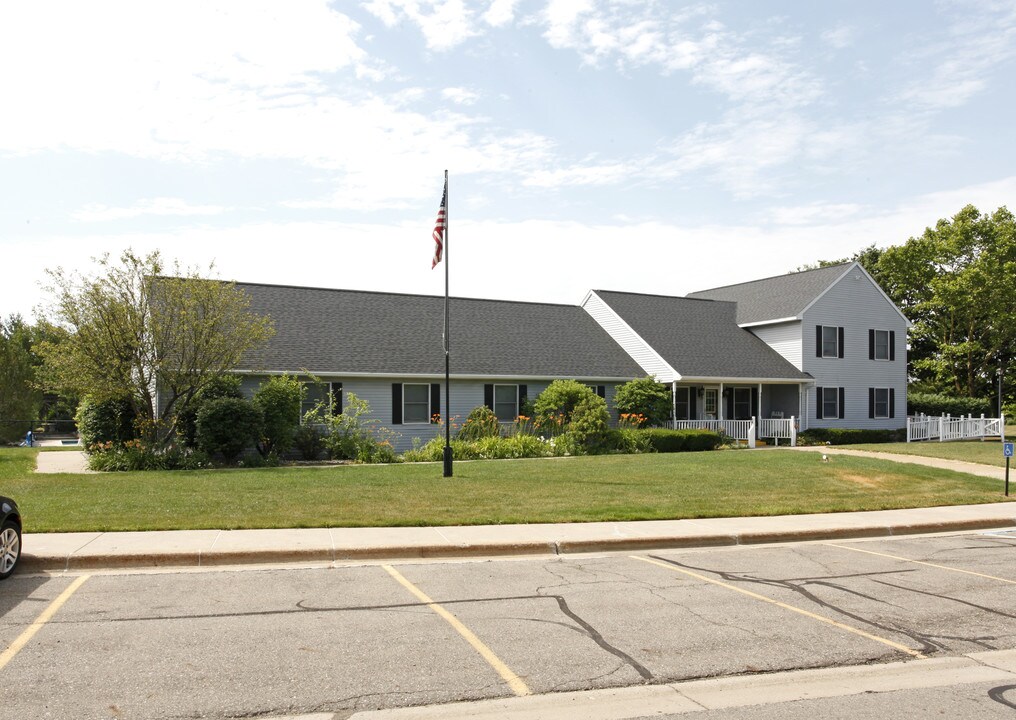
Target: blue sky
[(659, 147)]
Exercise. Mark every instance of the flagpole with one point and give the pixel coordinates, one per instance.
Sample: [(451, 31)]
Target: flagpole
[(447, 354)]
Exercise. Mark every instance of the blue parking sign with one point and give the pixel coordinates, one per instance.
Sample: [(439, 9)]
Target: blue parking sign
[(1009, 449)]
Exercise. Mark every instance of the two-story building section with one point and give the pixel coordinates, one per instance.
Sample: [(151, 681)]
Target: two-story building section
[(836, 324)]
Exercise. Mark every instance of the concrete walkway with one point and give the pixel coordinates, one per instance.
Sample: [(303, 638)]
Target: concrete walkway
[(70, 461), (201, 548), (991, 471)]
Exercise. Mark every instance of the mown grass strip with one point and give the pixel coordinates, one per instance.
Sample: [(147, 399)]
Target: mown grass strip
[(583, 489)]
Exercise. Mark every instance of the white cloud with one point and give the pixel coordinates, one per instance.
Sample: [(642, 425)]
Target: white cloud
[(500, 13), (460, 96), (444, 23), (839, 37), (155, 206)]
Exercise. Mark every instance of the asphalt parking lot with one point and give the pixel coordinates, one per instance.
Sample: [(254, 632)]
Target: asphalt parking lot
[(277, 641)]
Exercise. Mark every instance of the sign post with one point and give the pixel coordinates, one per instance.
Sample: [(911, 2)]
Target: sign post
[(1008, 449)]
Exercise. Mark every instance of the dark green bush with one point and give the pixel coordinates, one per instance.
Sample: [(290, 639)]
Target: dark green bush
[(937, 404), (279, 401), (309, 442), (849, 436), (223, 386), (666, 441), (646, 397), (228, 426), (588, 430), (560, 398), (108, 421)]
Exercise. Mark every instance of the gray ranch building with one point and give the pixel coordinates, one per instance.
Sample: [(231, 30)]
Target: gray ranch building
[(825, 346)]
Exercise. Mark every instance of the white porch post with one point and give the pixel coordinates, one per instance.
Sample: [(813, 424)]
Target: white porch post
[(673, 401), (720, 404)]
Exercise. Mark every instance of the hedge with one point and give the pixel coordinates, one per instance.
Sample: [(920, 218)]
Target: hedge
[(848, 436), (939, 404), (666, 441)]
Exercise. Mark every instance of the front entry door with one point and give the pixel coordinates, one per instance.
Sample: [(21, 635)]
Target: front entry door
[(742, 403), (710, 404)]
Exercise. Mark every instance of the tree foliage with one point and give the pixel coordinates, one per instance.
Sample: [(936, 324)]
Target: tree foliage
[(957, 283), (130, 329), (20, 401), (228, 426), (560, 398)]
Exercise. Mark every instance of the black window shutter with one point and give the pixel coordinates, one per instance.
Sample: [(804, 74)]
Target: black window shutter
[(336, 398), (819, 399), (843, 410), (756, 410), (728, 405), (692, 399), (488, 395), (892, 346), (841, 342), (523, 396), (871, 402), (435, 400), (892, 402), (871, 344), (601, 390), (818, 341), (396, 403)]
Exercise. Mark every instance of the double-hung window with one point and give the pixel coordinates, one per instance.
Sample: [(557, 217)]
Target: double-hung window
[(829, 403), (415, 403), (324, 395), (506, 402), (881, 402), (829, 341), (881, 344)]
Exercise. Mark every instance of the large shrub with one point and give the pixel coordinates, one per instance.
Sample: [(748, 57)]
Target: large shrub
[(228, 426), (555, 405), (938, 404), (666, 441), (480, 423), (107, 421), (645, 396), (222, 386), (279, 400), (588, 429)]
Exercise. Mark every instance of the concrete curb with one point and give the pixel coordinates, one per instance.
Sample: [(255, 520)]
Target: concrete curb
[(78, 561)]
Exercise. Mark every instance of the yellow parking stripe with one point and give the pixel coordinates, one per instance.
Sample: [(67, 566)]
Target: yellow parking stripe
[(513, 680), (44, 618), (921, 562), (800, 611)]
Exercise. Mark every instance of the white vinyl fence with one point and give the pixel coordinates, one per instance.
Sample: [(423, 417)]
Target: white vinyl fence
[(747, 431), (946, 427)]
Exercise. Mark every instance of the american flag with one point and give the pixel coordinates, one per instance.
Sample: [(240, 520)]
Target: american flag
[(439, 228)]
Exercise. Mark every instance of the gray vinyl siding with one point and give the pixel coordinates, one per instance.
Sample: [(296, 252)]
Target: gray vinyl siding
[(856, 304), (784, 338), (466, 395)]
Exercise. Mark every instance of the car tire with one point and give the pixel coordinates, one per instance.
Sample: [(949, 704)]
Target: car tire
[(10, 548)]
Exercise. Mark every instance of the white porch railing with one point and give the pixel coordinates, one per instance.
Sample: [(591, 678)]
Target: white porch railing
[(946, 427), (779, 429), (740, 430)]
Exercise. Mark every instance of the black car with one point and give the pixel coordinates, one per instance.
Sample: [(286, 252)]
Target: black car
[(10, 536)]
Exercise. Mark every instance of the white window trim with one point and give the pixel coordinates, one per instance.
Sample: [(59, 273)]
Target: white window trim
[(496, 386), (877, 416), (836, 396), (836, 333), (888, 350), (429, 409)]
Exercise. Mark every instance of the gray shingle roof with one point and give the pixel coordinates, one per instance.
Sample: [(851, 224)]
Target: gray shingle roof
[(337, 331), (700, 338), (777, 297)]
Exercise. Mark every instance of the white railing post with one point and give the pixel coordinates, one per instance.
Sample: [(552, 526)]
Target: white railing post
[(751, 433), (793, 431), (941, 429)]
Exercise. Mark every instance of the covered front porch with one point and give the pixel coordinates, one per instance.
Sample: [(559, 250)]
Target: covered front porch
[(744, 410)]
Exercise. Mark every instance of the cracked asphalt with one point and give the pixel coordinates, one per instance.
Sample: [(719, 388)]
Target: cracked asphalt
[(270, 642)]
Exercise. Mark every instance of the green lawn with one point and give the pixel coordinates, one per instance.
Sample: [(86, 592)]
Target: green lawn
[(988, 452), (617, 487)]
